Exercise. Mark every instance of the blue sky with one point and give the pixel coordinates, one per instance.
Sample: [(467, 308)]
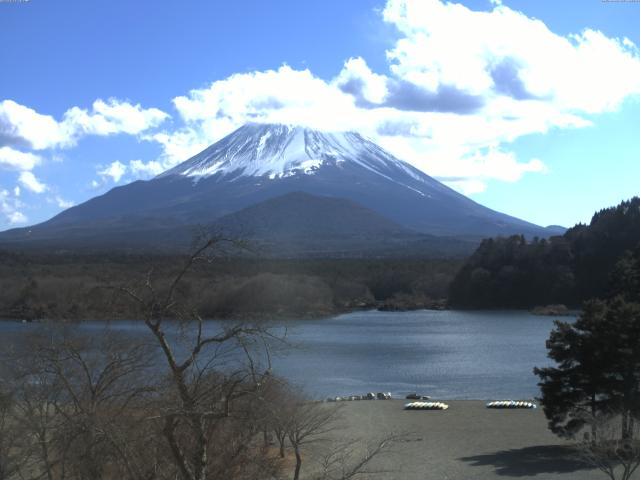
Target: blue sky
[(530, 108)]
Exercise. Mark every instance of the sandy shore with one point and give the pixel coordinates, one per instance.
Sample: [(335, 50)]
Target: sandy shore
[(468, 441)]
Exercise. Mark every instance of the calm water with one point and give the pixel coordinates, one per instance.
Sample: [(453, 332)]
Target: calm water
[(445, 354)]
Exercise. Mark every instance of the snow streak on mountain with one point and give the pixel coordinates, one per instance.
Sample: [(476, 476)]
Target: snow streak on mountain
[(280, 151)]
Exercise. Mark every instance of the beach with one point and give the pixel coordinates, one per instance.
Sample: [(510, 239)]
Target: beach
[(467, 441)]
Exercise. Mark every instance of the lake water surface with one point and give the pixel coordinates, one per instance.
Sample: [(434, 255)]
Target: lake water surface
[(445, 354)]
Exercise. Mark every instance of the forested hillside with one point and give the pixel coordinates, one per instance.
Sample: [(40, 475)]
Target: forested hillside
[(515, 273), (75, 287)]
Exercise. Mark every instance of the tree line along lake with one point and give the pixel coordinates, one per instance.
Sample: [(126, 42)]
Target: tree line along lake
[(447, 354)]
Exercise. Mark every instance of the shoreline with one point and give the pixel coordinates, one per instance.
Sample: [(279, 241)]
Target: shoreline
[(287, 317)]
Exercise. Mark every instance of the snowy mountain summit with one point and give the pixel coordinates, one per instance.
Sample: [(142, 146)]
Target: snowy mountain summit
[(280, 151)]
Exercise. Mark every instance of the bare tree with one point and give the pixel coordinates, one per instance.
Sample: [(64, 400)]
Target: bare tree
[(348, 459), (279, 404), (12, 456), (309, 429), (309, 422), (96, 407), (614, 450), (209, 373), (78, 402), (37, 409), (103, 383)]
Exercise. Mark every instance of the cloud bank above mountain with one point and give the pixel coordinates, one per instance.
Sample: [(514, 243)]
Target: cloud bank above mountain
[(461, 86)]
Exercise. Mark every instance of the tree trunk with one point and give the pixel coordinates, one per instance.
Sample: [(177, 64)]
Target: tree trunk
[(282, 437), (594, 429), (296, 474), (625, 425), (201, 448), (93, 466), (179, 457), (45, 455)]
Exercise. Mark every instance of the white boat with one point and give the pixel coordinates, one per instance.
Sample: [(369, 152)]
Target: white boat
[(511, 404), (426, 406)]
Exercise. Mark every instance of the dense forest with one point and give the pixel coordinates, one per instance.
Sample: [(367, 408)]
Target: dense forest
[(75, 287), (516, 273)]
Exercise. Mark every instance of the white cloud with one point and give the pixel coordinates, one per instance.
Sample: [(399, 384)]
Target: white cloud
[(9, 208), (113, 117), (17, 160), (499, 165), (31, 182), (467, 186), (115, 171), (23, 126), (135, 168), (504, 51), (279, 96), (62, 203), (460, 166), (16, 191), (141, 169), (284, 95), (182, 144), (16, 218), (356, 77)]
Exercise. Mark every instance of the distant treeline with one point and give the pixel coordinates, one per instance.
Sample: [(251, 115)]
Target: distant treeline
[(515, 273), (75, 287)]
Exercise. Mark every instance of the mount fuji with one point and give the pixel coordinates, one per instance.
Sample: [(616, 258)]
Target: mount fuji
[(282, 181)]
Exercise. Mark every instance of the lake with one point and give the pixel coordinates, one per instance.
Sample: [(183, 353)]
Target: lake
[(445, 354)]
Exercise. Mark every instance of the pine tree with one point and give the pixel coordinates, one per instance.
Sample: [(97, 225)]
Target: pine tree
[(598, 360)]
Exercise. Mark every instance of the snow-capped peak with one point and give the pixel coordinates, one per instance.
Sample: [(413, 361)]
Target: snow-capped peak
[(277, 151)]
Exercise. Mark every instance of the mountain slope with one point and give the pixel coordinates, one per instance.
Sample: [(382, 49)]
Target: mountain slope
[(299, 214), (258, 162), (299, 224)]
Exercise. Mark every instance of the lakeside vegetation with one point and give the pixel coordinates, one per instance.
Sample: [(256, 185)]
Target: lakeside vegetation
[(76, 287)]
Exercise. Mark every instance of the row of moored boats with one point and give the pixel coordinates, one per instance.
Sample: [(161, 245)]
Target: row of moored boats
[(443, 406), (429, 405)]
